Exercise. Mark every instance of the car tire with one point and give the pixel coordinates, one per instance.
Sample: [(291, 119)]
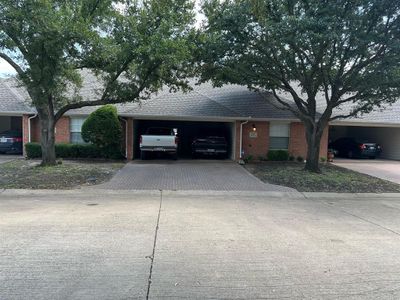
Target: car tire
[(372, 157), (143, 155), (175, 156)]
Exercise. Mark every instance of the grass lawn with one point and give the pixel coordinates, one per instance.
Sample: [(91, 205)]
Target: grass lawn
[(27, 174), (332, 179)]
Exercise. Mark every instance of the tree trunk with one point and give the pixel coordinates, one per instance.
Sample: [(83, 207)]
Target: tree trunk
[(47, 139), (313, 137)]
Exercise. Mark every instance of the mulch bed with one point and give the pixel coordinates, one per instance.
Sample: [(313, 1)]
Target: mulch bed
[(332, 178)]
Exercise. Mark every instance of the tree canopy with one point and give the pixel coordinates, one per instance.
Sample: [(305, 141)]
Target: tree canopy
[(134, 47), (348, 51)]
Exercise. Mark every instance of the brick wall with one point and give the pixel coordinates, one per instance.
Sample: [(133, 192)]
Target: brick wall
[(62, 130), (130, 146), (258, 146), (255, 146), (298, 144)]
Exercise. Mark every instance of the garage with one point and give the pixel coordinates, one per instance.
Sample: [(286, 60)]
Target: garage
[(388, 137), (187, 131), (10, 134)]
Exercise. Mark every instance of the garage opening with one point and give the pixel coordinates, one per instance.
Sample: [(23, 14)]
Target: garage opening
[(187, 132), (387, 137), (10, 123), (10, 134)]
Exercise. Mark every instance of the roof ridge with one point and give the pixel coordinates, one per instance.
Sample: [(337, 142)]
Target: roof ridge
[(216, 102)]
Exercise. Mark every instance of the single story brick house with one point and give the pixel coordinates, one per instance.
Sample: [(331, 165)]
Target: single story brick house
[(251, 124)]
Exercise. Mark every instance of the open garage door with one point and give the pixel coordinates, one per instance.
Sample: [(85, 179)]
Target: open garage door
[(10, 134), (10, 123), (187, 132), (387, 137)]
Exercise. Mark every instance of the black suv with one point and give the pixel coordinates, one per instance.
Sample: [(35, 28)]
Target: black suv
[(11, 142)]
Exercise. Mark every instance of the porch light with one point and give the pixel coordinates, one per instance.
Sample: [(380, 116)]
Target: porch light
[(254, 128)]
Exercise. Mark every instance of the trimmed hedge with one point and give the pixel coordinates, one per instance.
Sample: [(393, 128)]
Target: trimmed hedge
[(103, 129), (278, 155), (33, 150)]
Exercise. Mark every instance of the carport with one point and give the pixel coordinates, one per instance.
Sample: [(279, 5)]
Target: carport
[(187, 131), (388, 136)]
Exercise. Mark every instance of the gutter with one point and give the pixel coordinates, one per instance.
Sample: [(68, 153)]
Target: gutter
[(29, 127)]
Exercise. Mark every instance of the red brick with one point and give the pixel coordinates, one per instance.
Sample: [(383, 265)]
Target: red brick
[(62, 131), (254, 146), (298, 143), (130, 151)]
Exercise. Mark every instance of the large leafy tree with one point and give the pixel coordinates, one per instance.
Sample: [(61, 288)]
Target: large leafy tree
[(133, 47), (346, 51)]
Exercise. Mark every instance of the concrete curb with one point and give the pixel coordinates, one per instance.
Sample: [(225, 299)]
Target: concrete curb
[(273, 194), (346, 196), (84, 191)]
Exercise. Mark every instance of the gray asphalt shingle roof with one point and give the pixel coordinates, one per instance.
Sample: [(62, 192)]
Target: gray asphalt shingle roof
[(13, 99), (204, 101), (387, 114)]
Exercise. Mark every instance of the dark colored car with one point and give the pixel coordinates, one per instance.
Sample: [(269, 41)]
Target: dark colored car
[(351, 148), (210, 146), (11, 142)]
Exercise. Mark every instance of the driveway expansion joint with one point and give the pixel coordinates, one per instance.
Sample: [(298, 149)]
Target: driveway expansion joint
[(331, 204), (152, 256)]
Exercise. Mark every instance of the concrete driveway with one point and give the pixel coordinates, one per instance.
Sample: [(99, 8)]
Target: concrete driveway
[(384, 169), (187, 175), (103, 244)]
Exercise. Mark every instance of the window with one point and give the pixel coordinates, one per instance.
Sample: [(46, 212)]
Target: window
[(279, 136), (76, 129)]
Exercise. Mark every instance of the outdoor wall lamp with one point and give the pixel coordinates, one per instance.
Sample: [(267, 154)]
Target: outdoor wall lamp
[(254, 128)]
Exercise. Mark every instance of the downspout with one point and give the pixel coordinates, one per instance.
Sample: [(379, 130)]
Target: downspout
[(241, 138), (126, 137), (29, 126)]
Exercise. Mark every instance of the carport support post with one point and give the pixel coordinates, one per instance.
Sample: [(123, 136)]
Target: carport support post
[(241, 139)]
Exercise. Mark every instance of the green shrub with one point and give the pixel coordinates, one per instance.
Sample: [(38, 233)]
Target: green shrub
[(249, 158), (300, 159), (103, 129), (323, 159), (278, 155), (33, 150), (262, 158)]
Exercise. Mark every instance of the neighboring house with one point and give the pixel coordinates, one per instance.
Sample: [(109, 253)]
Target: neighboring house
[(251, 124)]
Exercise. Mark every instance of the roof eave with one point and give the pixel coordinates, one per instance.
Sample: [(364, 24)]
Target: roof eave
[(363, 124)]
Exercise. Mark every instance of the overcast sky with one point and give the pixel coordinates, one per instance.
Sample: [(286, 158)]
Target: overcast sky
[(5, 69)]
